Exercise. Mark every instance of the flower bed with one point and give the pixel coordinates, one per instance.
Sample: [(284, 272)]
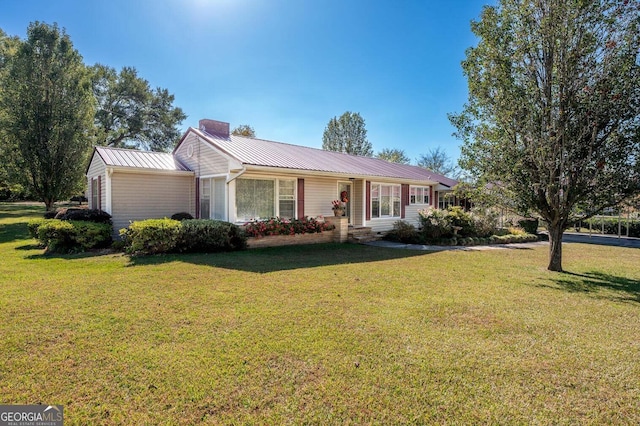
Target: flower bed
[(281, 232)]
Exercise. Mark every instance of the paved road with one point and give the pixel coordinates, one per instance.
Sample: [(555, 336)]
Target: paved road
[(605, 240), (570, 237)]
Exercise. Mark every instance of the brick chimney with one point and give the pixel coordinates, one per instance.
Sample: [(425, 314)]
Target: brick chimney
[(215, 128)]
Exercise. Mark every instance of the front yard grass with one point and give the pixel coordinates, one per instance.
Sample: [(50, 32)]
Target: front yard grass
[(327, 334)]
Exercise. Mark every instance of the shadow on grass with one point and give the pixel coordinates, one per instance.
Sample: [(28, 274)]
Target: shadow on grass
[(615, 287), (273, 259), (13, 231)]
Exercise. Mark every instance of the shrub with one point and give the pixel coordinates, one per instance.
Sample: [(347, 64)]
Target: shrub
[(181, 216), (279, 226), (485, 222), (458, 217), (151, 236), (33, 226), (51, 214), (529, 224), (206, 236), (60, 236), (434, 223), (88, 215), (403, 232)]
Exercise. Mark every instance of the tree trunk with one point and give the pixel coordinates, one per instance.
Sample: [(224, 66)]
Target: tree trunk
[(48, 203), (555, 248)]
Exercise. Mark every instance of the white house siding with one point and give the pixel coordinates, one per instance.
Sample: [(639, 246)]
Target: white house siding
[(138, 196), (97, 168), (204, 160), (411, 213), (318, 195)]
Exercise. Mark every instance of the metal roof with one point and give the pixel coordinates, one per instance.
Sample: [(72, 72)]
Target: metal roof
[(260, 152), (140, 159)]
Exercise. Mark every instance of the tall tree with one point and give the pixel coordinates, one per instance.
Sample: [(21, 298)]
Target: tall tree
[(132, 115), (347, 134), (394, 155), (244, 130), (437, 160), (47, 108), (554, 106)]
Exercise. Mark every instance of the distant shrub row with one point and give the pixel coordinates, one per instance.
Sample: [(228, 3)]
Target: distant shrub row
[(611, 225), (88, 215), (153, 236), (70, 236)]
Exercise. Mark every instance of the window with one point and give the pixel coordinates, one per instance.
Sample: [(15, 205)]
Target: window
[(445, 200), (385, 200), (265, 198), (205, 198), (95, 194), (419, 195)]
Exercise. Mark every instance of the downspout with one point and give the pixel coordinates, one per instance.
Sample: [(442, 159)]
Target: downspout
[(108, 174)]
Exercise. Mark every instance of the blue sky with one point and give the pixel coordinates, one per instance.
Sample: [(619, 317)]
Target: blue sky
[(285, 67)]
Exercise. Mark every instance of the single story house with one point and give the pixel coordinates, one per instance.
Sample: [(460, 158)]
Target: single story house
[(214, 174)]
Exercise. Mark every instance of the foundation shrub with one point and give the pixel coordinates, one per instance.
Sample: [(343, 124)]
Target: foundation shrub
[(151, 236), (207, 236)]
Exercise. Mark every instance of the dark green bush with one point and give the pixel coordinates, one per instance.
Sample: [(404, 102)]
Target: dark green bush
[(88, 215), (181, 216), (404, 232), (207, 236), (60, 236), (529, 224), (33, 226), (51, 214), (151, 236)]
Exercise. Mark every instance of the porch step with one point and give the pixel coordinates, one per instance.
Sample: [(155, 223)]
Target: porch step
[(362, 234)]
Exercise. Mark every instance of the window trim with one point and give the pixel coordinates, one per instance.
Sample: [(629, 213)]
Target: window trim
[(375, 215), (276, 194), (426, 192)]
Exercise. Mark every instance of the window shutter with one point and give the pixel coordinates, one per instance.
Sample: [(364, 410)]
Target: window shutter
[(404, 199), (368, 201), (197, 198), (432, 200), (99, 192), (300, 200)]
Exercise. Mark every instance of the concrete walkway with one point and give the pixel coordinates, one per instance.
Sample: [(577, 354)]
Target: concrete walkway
[(514, 246)]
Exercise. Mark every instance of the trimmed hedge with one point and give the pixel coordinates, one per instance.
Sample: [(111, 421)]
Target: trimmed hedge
[(151, 236), (89, 215), (208, 236), (59, 236), (154, 236), (530, 225), (181, 216)]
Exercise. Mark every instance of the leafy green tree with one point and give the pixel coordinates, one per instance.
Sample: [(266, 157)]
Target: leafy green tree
[(347, 134), (244, 130), (394, 155), (554, 104), (439, 162), (130, 114), (47, 108)]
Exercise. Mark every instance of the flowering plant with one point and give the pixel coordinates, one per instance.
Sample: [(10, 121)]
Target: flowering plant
[(337, 205), (280, 226), (344, 196)]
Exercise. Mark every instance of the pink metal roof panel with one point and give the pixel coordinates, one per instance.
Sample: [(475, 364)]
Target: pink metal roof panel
[(260, 152), (118, 157)]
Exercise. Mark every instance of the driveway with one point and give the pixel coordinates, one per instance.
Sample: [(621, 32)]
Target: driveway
[(605, 240)]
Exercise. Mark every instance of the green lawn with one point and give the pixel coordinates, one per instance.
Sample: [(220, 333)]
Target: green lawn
[(328, 334)]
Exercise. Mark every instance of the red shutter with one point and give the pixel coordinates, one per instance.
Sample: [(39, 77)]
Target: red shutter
[(404, 199), (432, 200), (197, 198), (368, 201), (300, 198), (99, 192)]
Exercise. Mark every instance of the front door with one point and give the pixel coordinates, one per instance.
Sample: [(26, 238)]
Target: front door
[(344, 195)]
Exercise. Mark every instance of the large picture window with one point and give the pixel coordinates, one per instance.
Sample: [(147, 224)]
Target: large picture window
[(385, 200), (265, 198), (419, 195)]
